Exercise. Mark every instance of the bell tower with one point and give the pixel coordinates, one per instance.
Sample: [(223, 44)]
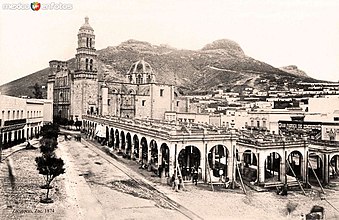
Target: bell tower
[(86, 54), (85, 91)]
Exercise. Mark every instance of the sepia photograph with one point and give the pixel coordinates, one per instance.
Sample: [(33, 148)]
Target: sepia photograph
[(169, 109)]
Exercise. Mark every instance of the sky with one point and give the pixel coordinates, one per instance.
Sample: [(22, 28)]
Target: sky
[(279, 32)]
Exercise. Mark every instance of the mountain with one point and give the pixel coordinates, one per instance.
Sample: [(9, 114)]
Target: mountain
[(293, 70), (220, 64), (24, 86)]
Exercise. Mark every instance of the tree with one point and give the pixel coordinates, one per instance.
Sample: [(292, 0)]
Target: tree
[(50, 168), (37, 91), (48, 146), (48, 164), (50, 131)]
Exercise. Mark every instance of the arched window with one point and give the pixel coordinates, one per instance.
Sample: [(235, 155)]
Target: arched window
[(87, 42), (86, 64), (91, 65), (90, 42), (139, 78)]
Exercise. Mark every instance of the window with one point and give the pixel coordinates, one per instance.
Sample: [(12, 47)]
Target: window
[(177, 103), (143, 102), (3, 115), (87, 42), (91, 65), (90, 42), (22, 113), (17, 114), (13, 114), (139, 79), (161, 92), (264, 124), (258, 124), (86, 64)]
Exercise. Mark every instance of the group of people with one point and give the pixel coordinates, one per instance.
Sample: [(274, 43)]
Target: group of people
[(177, 182), (177, 179)]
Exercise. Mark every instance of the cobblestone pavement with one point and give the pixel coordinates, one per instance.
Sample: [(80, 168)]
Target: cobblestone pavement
[(20, 196)]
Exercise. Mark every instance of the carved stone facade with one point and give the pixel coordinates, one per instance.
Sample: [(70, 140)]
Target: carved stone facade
[(75, 92), (78, 92)]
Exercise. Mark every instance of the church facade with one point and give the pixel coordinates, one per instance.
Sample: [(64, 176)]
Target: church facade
[(78, 91)]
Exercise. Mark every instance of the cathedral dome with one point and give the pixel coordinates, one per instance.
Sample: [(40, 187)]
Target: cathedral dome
[(140, 67), (86, 27)]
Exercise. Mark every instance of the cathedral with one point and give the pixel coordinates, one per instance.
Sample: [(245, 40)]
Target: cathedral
[(79, 91)]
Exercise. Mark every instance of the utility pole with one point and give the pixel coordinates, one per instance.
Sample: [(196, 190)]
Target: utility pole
[(0, 150), (0, 145)]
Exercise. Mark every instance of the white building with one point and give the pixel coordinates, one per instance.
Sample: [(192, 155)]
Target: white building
[(22, 119)]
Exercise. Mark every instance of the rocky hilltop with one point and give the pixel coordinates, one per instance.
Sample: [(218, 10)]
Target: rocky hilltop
[(220, 64), (293, 70)]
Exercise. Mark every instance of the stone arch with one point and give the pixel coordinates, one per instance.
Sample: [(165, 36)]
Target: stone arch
[(272, 169), (334, 166), (123, 140), (189, 159), (144, 151), (154, 153), (218, 160), (111, 142), (315, 163), (117, 139), (164, 159), (295, 160), (249, 165), (128, 145), (136, 146)]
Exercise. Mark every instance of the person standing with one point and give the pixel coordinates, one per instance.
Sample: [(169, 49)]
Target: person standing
[(221, 173), (195, 176), (176, 183)]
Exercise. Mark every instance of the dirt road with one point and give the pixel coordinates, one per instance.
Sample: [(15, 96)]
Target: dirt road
[(99, 187)]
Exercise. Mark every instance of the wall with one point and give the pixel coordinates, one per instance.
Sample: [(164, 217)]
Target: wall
[(323, 105), (85, 94)]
